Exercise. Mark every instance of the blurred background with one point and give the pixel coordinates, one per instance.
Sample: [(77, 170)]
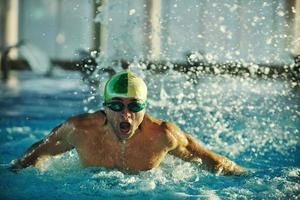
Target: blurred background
[(195, 33)]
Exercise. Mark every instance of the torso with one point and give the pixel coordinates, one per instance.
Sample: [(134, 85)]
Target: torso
[(97, 146)]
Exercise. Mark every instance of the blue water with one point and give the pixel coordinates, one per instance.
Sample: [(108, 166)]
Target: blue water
[(255, 122)]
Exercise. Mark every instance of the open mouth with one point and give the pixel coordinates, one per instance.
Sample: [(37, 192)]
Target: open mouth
[(125, 127)]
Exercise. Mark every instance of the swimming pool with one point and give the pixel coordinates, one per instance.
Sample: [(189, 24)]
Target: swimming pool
[(255, 122)]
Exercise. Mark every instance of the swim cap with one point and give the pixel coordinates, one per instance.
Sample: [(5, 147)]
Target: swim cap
[(125, 84)]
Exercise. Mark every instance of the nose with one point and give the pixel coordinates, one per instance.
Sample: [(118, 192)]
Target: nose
[(126, 114)]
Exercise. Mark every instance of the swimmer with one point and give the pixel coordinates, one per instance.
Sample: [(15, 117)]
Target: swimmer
[(122, 136)]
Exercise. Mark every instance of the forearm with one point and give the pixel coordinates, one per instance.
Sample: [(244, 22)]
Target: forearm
[(55, 143), (189, 149), (30, 156), (211, 161)]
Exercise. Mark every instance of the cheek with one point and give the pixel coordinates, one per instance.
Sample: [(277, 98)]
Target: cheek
[(139, 117), (112, 117)]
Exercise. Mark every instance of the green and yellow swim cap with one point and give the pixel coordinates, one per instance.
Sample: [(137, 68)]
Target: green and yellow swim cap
[(125, 84)]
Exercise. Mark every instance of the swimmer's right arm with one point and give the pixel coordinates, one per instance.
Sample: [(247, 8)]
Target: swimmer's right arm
[(55, 143)]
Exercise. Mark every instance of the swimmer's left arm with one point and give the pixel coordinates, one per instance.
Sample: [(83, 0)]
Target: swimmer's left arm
[(212, 161), (189, 149)]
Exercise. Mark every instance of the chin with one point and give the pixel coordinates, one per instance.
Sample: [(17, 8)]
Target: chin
[(123, 136)]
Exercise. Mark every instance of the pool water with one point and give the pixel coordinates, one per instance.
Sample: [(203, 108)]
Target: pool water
[(255, 122)]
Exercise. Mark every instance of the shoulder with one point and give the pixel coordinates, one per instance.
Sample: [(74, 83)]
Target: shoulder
[(170, 133), (174, 132), (83, 122), (75, 127), (88, 119)]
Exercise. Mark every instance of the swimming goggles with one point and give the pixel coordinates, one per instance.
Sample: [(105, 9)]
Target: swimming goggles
[(118, 106)]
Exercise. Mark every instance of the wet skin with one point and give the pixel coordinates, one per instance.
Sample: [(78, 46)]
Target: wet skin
[(126, 141)]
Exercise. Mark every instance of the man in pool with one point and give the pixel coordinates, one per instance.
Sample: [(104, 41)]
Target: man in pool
[(123, 136)]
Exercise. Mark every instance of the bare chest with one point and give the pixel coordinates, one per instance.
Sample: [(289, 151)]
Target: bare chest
[(132, 155)]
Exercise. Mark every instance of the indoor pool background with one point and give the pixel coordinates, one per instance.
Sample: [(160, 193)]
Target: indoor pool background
[(254, 122)]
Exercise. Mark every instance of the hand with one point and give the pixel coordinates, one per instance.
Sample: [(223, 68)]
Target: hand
[(239, 171), (16, 165), (228, 167)]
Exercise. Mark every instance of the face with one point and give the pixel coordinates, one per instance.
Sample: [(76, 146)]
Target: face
[(125, 122)]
